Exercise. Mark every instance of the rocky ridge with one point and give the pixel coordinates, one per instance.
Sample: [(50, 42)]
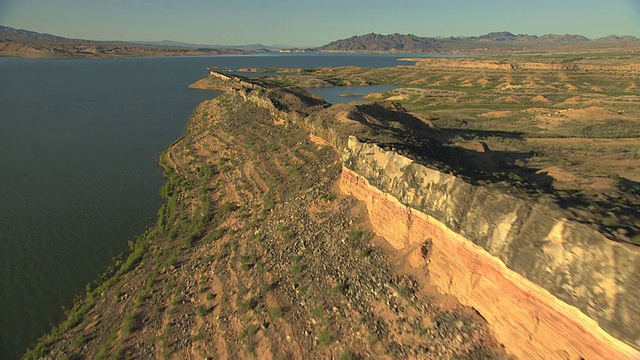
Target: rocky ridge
[(256, 253), (521, 66), (263, 258), (537, 249)]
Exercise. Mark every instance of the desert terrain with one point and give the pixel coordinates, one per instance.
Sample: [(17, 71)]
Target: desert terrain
[(486, 208)]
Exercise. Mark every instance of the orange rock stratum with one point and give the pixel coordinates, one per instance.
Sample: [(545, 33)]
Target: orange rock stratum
[(550, 287), (530, 321)]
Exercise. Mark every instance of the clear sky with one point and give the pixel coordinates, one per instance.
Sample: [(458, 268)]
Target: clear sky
[(317, 22)]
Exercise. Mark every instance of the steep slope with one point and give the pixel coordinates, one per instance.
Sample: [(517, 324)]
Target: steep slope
[(257, 254), (565, 289)]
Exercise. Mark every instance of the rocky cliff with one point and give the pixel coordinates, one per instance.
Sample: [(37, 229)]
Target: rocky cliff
[(257, 254), (524, 65), (549, 286)]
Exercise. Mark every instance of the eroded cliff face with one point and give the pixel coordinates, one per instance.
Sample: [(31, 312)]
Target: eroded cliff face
[(543, 283), (256, 255), (550, 287), (515, 66)]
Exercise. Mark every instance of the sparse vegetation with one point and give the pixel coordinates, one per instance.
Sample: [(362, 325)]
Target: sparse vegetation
[(253, 234), (275, 312), (340, 288), (326, 337), (128, 324), (201, 310)]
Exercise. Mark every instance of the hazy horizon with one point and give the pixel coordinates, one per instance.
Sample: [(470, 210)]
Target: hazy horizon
[(307, 23)]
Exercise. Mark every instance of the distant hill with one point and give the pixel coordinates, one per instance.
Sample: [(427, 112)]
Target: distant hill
[(8, 34), (25, 43), (495, 41), (505, 36), (616, 38), (249, 47), (383, 43)]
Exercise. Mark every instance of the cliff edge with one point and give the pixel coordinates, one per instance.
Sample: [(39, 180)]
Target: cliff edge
[(548, 285), (293, 228)]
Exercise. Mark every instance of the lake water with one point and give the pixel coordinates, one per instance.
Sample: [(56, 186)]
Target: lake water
[(79, 141), (345, 94)]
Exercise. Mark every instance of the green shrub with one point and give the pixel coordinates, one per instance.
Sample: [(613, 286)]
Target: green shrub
[(128, 324), (200, 336), (102, 353), (296, 269), (347, 355), (403, 291), (340, 287), (227, 208), (201, 310), (275, 312), (326, 337), (288, 236), (78, 340)]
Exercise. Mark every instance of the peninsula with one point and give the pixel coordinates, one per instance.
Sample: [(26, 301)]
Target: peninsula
[(486, 209)]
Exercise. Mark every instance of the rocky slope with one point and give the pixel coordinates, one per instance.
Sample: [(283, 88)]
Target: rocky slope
[(565, 288), (289, 222), (515, 66), (258, 254)]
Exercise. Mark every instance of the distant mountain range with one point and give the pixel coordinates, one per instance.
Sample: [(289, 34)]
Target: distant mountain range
[(19, 35), (25, 43), (384, 43), (26, 36), (250, 47), (496, 41)]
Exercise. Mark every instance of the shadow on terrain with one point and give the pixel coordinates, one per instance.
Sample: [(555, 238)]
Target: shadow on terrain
[(3, 353), (296, 99), (615, 214), (629, 186), (470, 134), (414, 137)]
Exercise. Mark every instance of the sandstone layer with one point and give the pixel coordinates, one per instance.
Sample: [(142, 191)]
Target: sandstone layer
[(254, 254), (531, 321), (549, 286), (515, 66)]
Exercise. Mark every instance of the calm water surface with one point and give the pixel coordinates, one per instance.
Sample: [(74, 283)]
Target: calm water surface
[(336, 95), (79, 141)]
